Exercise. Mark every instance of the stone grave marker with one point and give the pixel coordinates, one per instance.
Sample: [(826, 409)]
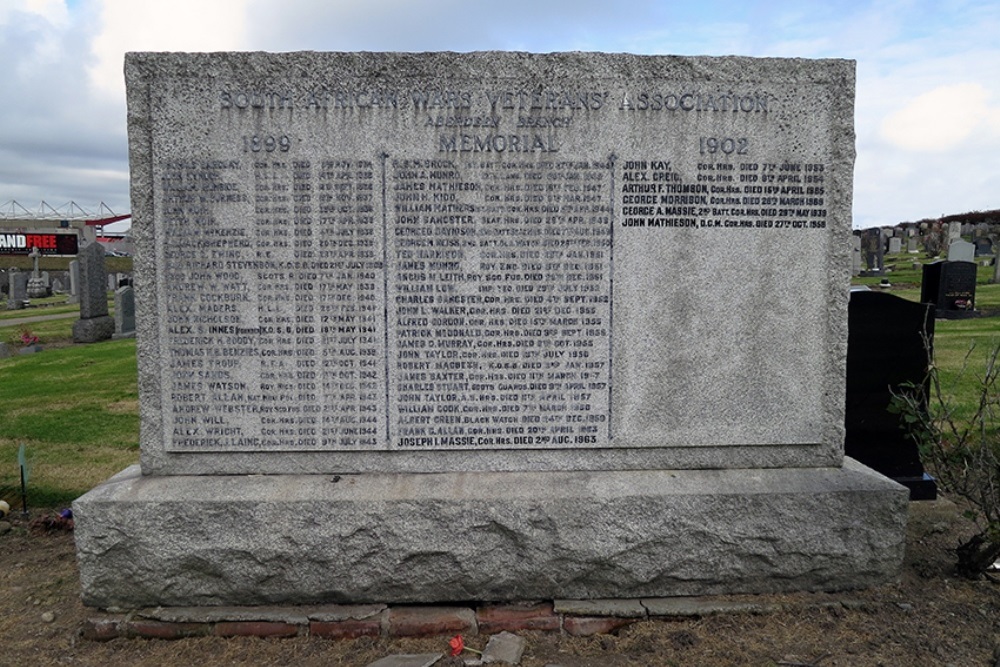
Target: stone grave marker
[(406, 314), (911, 245), (855, 254), (895, 245), (961, 251), (74, 281), (950, 286), (886, 352), (37, 285), (874, 250), (17, 293), (94, 324), (984, 247), (124, 312)]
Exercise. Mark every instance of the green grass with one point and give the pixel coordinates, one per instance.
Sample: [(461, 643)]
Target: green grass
[(900, 270), (960, 351), (25, 263), (76, 410), (51, 332)]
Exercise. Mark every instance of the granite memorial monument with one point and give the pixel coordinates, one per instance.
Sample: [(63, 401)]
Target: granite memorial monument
[(493, 326)]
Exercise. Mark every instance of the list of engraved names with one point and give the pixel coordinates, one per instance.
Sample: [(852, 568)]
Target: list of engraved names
[(474, 311)]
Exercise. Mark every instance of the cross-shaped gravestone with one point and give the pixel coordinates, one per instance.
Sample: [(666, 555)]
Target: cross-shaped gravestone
[(34, 255)]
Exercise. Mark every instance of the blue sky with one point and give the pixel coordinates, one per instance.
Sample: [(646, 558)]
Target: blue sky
[(928, 94)]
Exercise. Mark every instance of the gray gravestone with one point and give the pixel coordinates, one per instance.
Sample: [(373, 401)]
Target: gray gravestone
[(74, 282), (18, 289), (124, 312), (961, 251), (855, 254), (954, 231), (873, 249), (911, 244), (895, 245), (94, 323), (57, 285), (490, 287)]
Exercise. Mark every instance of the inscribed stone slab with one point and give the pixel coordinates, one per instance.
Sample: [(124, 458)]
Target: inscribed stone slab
[(93, 282), (492, 261)]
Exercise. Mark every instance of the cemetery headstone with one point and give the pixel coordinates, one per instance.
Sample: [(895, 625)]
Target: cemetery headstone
[(492, 289), (961, 251), (855, 254), (873, 249), (124, 312), (37, 288), (951, 287), (934, 241), (17, 292), (954, 231), (57, 285), (895, 245), (911, 245), (887, 352), (74, 282), (94, 324), (984, 247)]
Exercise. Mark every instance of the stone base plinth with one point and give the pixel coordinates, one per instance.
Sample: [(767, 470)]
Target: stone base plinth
[(401, 538), (94, 329)]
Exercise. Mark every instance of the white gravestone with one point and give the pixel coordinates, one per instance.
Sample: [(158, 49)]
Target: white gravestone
[(961, 251)]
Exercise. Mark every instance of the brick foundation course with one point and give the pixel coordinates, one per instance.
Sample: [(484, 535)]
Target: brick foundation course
[(571, 617)]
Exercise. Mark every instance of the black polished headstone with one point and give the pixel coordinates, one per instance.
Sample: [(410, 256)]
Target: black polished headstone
[(886, 350), (950, 286)]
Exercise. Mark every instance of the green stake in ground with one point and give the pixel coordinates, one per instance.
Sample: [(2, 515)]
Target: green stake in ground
[(22, 462)]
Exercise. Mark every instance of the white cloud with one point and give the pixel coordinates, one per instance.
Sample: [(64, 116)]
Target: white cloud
[(157, 25), (940, 119), (53, 11)]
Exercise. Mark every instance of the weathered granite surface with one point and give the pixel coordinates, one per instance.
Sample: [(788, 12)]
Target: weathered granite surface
[(710, 199), (94, 329), (94, 324), (493, 326), (310, 539)]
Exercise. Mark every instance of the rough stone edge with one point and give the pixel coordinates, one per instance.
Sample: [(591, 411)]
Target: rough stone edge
[(138, 77), (159, 462), (141, 496), (93, 330)]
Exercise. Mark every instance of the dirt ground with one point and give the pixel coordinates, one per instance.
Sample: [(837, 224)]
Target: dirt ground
[(929, 618)]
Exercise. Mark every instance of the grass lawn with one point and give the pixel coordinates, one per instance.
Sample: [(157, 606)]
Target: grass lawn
[(76, 410), (961, 348)]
